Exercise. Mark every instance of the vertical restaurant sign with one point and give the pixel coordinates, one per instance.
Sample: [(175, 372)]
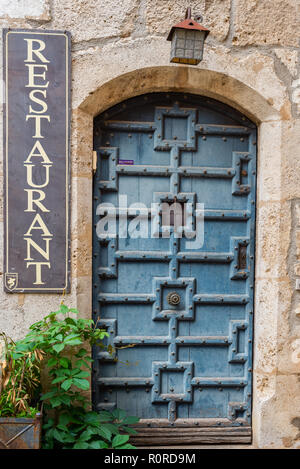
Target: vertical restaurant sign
[(36, 161)]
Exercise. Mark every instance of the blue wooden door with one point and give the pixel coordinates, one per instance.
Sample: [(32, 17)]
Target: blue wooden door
[(179, 317)]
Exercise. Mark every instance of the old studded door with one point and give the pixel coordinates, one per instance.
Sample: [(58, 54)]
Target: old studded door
[(179, 315)]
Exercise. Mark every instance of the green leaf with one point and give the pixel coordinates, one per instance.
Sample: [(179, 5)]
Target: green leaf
[(127, 446), (63, 309), (59, 435), (15, 356), (81, 445), (119, 414), (72, 336), (48, 395), (58, 380), (129, 430), (48, 424), (105, 433), (98, 445), (92, 418), (105, 416), (64, 362), (52, 362), (130, 420), (58, 347), (67, 384), (80, 363), (88, 359), (74, 341), (86, 435), (62, 372), (55, 401), (69, 438), (114, 429), (70, 321), (119, 440), (82, 374), (65, 399), (21, 347), (65, 419), (82, 352), (81, 383)]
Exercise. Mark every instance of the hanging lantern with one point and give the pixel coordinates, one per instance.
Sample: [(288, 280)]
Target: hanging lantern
[(187, 40)]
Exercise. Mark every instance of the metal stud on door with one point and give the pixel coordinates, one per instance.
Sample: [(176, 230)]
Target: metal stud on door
[(179, 318)]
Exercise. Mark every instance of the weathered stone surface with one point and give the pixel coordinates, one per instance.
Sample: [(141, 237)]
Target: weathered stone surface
[(266, 306), (82, 226), (162, 15), (291, 158), (269, 251), (253, 69), (120, 51), (94, 19), (36, 9), (81, 144), (84, 296), (272, 431), (289, 58), (269, 167), (266, 22)]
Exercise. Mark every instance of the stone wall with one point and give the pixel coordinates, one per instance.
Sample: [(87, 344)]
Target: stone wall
[(251, 61)]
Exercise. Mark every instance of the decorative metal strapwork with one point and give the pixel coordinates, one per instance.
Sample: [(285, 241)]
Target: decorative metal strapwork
[(198, 351)]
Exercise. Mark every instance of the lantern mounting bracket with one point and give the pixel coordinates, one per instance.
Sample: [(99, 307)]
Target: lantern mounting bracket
[(188, 13)]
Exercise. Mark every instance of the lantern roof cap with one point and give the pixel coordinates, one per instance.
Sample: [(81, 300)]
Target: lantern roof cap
[(190, 24)]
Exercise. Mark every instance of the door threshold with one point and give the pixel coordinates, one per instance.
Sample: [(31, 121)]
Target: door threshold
[(213, 446)]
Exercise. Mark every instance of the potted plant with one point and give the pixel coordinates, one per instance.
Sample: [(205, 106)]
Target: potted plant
[(61, 342), (20, 412)]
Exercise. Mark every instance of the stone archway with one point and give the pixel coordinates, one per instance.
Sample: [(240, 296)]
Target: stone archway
[(184, 79), (269, 256)]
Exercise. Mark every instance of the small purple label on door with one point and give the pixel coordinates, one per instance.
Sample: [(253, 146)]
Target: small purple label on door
[(126, 162)]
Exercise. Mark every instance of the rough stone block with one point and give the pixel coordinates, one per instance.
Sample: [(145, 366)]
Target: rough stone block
[(298, 244), (254, 69), (271, 230), (162, 15), (265, 326), (274, 431), (266, 22), (297, 212), (269, 164), (94, 19), (290, 166), (289, 58), (82, 144), (297, 269), (35, 9)]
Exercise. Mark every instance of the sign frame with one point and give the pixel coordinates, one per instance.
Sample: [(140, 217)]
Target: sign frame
[(12, 278)]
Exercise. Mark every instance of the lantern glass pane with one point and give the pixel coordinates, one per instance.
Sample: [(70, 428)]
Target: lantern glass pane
[(180, 43), (190, 34), (180, 33), (187, 46)]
